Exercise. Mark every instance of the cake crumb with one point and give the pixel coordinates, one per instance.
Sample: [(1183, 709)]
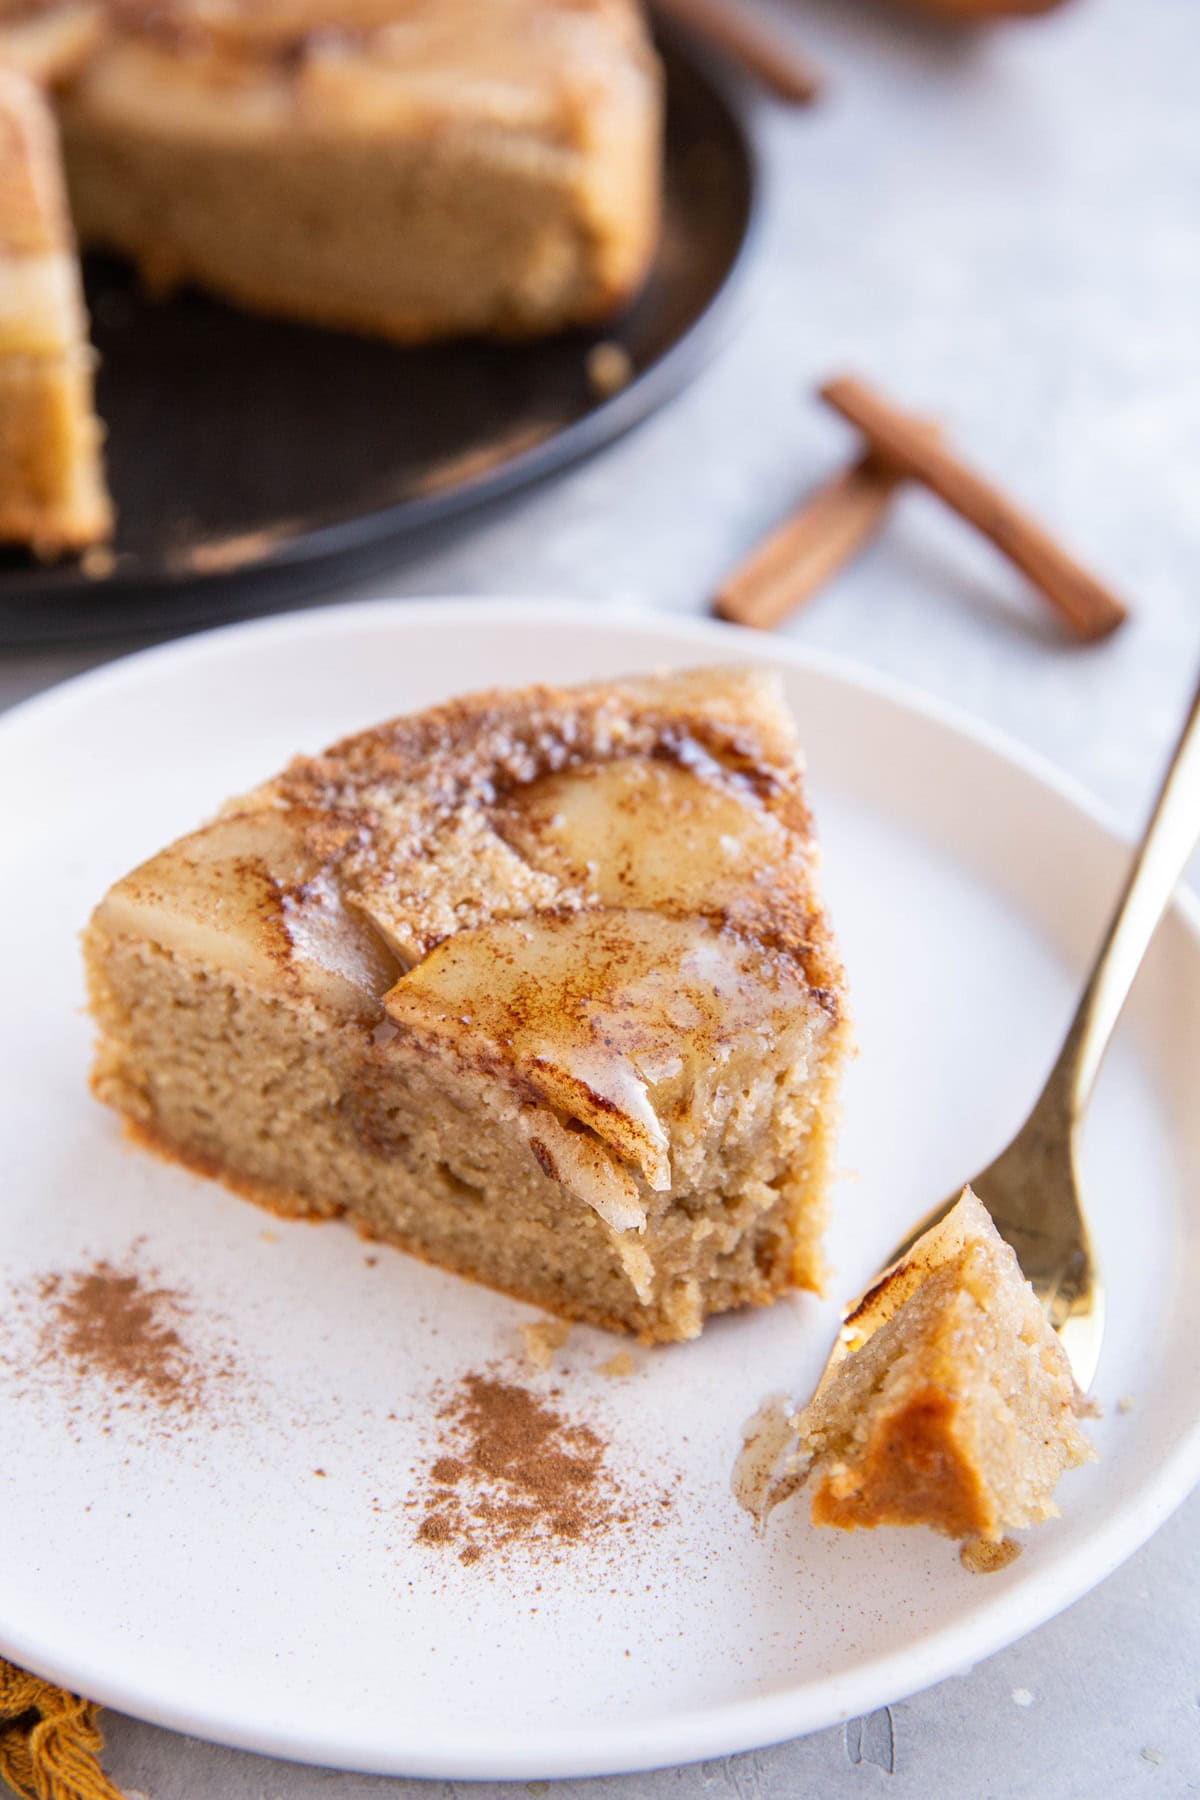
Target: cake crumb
[(768, 1469), (620, 1365), (542, 1338), (979, 1557), (97, 562), (1126, 1403), (609, 368), (269, 1237)]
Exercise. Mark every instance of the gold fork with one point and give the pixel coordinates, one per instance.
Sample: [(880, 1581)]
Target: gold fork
[(1032, 1189)]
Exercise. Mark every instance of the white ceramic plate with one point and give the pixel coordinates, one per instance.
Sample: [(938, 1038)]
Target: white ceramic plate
[(204, 1578)]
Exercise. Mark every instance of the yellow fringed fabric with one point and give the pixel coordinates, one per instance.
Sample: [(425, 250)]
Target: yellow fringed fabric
[(50, 1741)]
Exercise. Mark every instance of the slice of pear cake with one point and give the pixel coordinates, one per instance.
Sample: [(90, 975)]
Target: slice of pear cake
[(948, 1400), (535, 985)]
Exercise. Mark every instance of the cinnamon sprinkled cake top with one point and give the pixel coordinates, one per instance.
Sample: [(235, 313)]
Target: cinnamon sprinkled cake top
[(591, 893)]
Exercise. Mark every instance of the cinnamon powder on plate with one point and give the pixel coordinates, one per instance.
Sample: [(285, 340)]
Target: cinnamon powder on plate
[(513, 1468), (108, 1339), (109, 1322)]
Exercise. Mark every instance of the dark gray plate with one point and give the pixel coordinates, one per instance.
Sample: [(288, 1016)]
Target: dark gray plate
[(253, 461)]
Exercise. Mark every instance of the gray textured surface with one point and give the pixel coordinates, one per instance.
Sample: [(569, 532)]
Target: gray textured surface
[(1004, 230)]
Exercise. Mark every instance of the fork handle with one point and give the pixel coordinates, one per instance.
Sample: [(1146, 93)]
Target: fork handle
[(1169, 840)]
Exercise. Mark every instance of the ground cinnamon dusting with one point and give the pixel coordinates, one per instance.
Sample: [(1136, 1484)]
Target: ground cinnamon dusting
[(112, 1340), (514, 1469), (108, 1322)]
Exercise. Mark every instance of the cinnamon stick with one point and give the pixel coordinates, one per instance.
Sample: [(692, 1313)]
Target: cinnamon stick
[(973, 11), (758, 48), (905, 445), (806, 550)]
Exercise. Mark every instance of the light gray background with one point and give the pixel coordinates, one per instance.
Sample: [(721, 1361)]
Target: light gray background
[(1003, 229)]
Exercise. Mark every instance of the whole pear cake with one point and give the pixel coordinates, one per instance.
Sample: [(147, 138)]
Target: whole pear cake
[(406, 169)]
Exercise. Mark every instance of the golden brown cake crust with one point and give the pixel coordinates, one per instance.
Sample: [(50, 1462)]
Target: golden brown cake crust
[(914, 1472)]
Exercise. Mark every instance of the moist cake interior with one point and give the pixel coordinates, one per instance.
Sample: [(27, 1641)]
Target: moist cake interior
[(949, 1400)]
